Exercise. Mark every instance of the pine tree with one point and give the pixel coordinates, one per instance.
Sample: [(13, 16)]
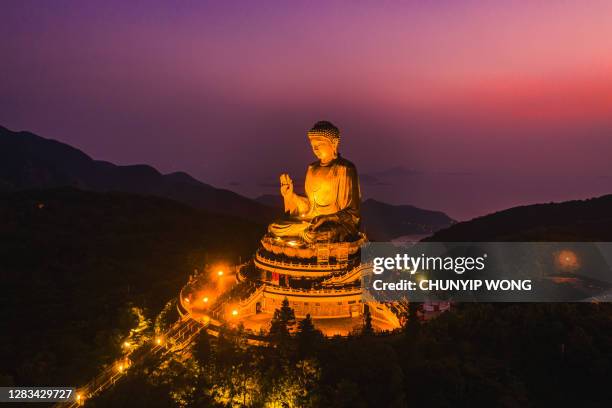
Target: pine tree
[(308, 336), (413, 324), (202, 351), (288, 315), (367, 322), (203, 354), (305, 326), (282, 323)]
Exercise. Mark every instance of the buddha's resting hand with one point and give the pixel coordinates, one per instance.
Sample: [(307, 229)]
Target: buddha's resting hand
[(286, 183), (322, 219)]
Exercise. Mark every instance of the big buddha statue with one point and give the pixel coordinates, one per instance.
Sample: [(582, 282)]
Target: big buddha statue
[(330, 210)]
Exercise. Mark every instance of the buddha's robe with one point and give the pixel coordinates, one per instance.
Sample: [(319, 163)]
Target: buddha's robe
[(330, 189)]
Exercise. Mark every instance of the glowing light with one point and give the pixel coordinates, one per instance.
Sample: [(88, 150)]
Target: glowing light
[(567, 260), (187, 300), (220, 273), (234, 312), (292, 243), (120, 368), (158, 340), (205, 300), (78, 397), (126, 344)]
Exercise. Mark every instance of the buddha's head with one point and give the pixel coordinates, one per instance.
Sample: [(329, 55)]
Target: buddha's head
[(324, 138)]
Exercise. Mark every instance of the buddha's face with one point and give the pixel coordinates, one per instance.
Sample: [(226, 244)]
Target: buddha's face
[(324, 149)]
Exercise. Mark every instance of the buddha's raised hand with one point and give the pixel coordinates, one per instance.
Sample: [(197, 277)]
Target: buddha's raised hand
[(286, 183)]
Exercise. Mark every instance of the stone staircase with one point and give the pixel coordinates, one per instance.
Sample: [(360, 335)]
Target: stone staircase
[(179, 336)]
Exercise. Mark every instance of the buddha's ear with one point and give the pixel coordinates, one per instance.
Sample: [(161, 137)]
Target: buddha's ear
[(334, 144)]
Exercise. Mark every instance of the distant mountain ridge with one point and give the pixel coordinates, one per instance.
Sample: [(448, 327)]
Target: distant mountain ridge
[(385, 222), (567, 222), (33, 162), (30, 161), (578, 220)]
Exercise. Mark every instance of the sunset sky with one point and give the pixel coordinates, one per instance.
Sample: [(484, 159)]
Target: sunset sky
[(482, 104)]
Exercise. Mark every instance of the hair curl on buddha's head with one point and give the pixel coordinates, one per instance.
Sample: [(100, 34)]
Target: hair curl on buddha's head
[(325, 129)]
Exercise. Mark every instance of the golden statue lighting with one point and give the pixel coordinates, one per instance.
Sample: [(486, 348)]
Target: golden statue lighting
[(311, 257), (330, 210)]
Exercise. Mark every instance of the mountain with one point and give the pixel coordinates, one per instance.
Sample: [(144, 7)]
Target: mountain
[(558, 228), (74, 263), (30, 161), (33, 162), (384, 222), (271, 200), (578, 220), (78, 267)]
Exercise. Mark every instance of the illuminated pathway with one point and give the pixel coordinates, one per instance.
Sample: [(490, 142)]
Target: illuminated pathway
[(178, 337), (175, 339)]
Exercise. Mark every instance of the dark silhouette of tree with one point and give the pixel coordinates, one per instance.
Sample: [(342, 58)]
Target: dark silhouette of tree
[(367, 323), (282, 323), (305, 326), (413, 323), (202, 350), (308, 337), (287, 314)]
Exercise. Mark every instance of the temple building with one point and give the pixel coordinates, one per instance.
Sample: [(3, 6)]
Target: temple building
[(311, 255)]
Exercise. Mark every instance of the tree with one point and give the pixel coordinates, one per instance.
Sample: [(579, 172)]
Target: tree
[(287, 314), (305, 326), (167, 316), (413, 323), (202, 351), (282, 323), (367, 323), (309, 338)]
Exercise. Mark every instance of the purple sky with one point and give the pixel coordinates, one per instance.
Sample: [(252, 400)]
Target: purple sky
[(489, 103)]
